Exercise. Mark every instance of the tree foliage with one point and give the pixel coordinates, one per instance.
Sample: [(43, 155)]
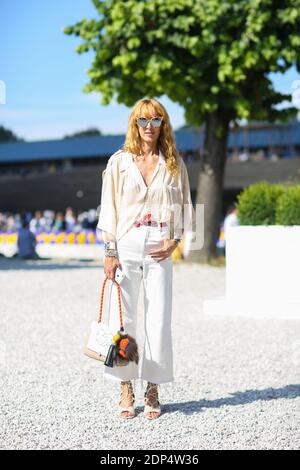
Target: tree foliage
[(203, 54), (6, 135)]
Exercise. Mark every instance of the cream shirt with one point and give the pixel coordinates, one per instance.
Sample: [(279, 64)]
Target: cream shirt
[(125, 198)]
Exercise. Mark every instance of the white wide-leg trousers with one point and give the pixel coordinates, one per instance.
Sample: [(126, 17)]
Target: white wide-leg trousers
[(156, 354)]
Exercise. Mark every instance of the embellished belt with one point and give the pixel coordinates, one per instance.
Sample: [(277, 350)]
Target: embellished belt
[(146, 220)]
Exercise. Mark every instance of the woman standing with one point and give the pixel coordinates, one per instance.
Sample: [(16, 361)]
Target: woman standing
[(144, 200)]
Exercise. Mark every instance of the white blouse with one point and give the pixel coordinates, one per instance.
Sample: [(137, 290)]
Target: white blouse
[(125, 197)]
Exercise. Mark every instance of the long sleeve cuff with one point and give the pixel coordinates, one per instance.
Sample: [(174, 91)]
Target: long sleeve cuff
[(105, 236)]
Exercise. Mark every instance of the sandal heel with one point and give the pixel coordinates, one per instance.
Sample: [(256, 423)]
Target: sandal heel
[(127, 395), (152, 404)]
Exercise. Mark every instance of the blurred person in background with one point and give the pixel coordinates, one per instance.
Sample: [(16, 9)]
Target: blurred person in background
[(49, 220), (26, 242), (11, 224), (38, 222), (59, 222), (92, 218), (3, 224), (87, 219), (17, 221), (230, 220), (83, 220), (70, 219)]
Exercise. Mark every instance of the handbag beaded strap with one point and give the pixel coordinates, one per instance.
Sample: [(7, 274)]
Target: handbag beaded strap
[(119, 302)]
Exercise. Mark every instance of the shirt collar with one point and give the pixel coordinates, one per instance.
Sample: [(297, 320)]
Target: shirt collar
[(127, 160)]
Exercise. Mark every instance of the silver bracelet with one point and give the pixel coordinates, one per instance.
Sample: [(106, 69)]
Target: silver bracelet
[(110, 245), (109, 252), (110, 248)]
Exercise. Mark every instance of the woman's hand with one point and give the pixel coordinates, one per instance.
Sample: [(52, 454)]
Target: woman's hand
[(111, 263), (165, 251)]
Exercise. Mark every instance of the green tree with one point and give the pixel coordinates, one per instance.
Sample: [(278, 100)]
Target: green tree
[(212, 57), (92, 131), (6, 135)]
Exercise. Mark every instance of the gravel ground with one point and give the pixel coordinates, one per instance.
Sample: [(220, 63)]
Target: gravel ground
[(236, 380)]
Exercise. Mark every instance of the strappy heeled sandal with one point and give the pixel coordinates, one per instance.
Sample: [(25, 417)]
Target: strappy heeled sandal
[(152, 404), (126, 409)]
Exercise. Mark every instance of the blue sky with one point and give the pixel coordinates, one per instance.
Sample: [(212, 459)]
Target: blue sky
[(44, 76)]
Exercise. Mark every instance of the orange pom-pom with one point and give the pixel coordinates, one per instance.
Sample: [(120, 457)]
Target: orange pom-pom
[(123, 345), (127, 348)]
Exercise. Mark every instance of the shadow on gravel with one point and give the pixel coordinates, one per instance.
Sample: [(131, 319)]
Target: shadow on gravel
[(46, 264), (236, 399)]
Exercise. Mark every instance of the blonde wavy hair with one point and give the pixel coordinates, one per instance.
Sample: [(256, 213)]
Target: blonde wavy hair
[(147, 107)]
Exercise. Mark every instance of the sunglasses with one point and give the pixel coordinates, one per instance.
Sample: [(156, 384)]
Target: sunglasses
[(155, 122)]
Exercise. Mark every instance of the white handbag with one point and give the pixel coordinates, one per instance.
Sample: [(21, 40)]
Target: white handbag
[(113, 349), (98, 341), (100, 337)]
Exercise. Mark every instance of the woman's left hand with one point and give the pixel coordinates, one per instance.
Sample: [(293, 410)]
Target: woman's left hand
[(164, 252)]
